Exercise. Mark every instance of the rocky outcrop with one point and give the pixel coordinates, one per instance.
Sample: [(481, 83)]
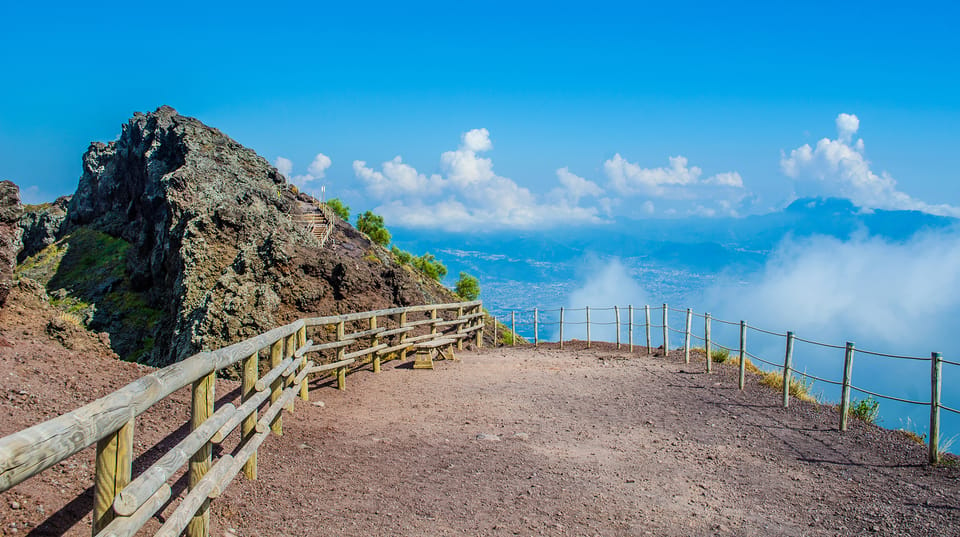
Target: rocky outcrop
[(209, 249), (42, 225), (9, 235)]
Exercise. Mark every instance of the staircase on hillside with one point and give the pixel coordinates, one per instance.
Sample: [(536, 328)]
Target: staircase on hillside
[(319, 220)]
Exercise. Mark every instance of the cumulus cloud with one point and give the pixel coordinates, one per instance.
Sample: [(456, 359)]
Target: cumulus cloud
[(468, 194), (677, 181), (840, 168), (316, 170), (284, 166), (573, 187)]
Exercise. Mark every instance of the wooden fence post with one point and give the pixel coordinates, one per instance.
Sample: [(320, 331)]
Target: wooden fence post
[(666, 330), (459, 329), (561, 327), (114, 469), (616, 314), (288, 352), (588, 326), (276, 356), (201, 408), (249, 426), (935, 366), (742, 377), (787, 364), (305, 385), (479, 321), (536, 327), (646, 323), (686, 337), (373, 343), (403, 335), (513, 327), (847, 381), (706, 341), (433, 316), (341, 351), (630, 326)]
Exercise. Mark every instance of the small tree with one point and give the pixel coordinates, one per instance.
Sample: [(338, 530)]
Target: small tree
[(429, 265), (339, 208), (372, 225), (468, 287)]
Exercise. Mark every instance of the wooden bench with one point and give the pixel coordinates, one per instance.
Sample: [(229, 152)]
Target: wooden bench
[(427, 349)]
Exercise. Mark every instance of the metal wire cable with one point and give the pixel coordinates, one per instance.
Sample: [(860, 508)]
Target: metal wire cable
[(728, 349), (917, 358), (725, 322), (805, 374), (761, 360), (819, 344), (949, 362), (765, 331), (868, 392), (948, 409)]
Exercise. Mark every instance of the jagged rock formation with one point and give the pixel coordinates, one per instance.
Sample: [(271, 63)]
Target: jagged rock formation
[(9, 235), (179, 239), (42, 226)]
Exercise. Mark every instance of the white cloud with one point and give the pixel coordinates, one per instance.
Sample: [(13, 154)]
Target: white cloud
[(840, 168), (847, 126), (677, 181), (284, 166), (318, 167), (468, 194), (477, 140), (316, 170), (630, 178), (731, 179), (575, 187)]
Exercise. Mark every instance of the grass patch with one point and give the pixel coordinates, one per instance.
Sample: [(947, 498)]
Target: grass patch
[(799, 386), (719, 356), (85, 274), (865, 409)]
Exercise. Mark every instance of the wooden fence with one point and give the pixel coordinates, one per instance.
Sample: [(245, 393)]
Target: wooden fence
[(785, 367), (123, 503)]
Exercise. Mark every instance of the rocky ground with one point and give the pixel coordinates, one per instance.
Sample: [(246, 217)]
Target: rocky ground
[(522, 442)]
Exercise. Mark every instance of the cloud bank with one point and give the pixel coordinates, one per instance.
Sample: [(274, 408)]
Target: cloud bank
[(840, 168), (469, 195)]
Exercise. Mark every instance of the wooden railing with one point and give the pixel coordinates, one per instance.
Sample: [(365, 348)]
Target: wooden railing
[(124, 503)]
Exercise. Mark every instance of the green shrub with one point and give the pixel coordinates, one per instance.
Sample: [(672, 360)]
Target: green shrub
[(339, 208), (429, 265), (372, 225), (468, 287), (865, 409), (719, 355), (403, 257)]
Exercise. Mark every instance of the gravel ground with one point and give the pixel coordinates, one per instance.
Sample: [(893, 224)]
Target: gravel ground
[(525, 441)]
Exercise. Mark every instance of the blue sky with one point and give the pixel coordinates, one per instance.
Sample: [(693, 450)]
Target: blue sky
[(506, 115)]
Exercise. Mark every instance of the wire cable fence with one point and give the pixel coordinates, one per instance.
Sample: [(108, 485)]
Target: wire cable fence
[(629, 321)]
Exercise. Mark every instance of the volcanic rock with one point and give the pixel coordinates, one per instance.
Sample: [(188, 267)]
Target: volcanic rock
[(180, 239), (9, 235)]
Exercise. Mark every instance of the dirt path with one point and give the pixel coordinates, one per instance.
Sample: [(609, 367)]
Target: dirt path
[(598, 442)]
